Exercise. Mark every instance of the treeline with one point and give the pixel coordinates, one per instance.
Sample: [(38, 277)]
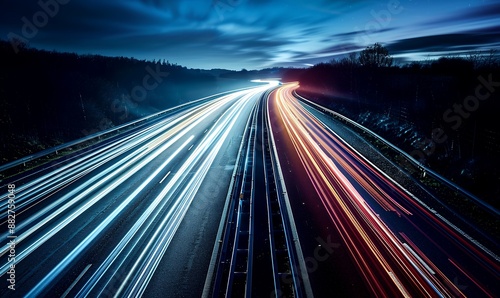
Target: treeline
[(443, 112), (48, 98)]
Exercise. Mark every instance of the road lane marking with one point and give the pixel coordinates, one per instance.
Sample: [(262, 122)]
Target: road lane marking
[(190, 147), (165, 177)]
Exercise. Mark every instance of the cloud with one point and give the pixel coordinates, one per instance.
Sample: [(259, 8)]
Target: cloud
[(340, 49), (247, 33)]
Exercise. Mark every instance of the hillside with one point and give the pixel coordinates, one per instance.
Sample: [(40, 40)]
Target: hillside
[(48, 98), (443, 113)]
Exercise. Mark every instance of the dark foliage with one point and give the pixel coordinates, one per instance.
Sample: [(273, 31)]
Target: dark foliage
[(375, 56)]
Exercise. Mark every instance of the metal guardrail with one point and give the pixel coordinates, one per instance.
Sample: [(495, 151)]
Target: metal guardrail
[(212, 281), (412, 160), (290, 279), (230, 277), (99, 134), (240, 272), (231, 269)]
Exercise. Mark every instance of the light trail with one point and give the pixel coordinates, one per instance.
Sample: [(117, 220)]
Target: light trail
[(258, 226), (100, 223), (341, 179), (84, 189)]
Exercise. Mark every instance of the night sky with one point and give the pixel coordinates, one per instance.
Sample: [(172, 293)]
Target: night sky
[(253, 34)]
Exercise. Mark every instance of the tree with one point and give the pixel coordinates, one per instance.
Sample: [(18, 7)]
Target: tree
[(375, 56)]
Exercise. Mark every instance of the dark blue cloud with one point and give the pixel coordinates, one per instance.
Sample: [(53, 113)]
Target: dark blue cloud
[(255, 33), (486, 12), (462, 43)]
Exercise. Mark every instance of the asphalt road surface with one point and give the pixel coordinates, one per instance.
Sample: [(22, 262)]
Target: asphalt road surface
[(396, 244), (150, 212)]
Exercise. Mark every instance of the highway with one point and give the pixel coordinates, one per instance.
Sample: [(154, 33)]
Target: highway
[(100, 223), (246, 194), (398, 246), (258, 252)]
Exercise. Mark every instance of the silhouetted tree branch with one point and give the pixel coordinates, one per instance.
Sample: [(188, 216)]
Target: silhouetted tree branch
[(375, 56)]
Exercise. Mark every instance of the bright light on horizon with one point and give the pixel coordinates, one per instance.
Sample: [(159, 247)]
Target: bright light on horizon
[(274, 82)]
